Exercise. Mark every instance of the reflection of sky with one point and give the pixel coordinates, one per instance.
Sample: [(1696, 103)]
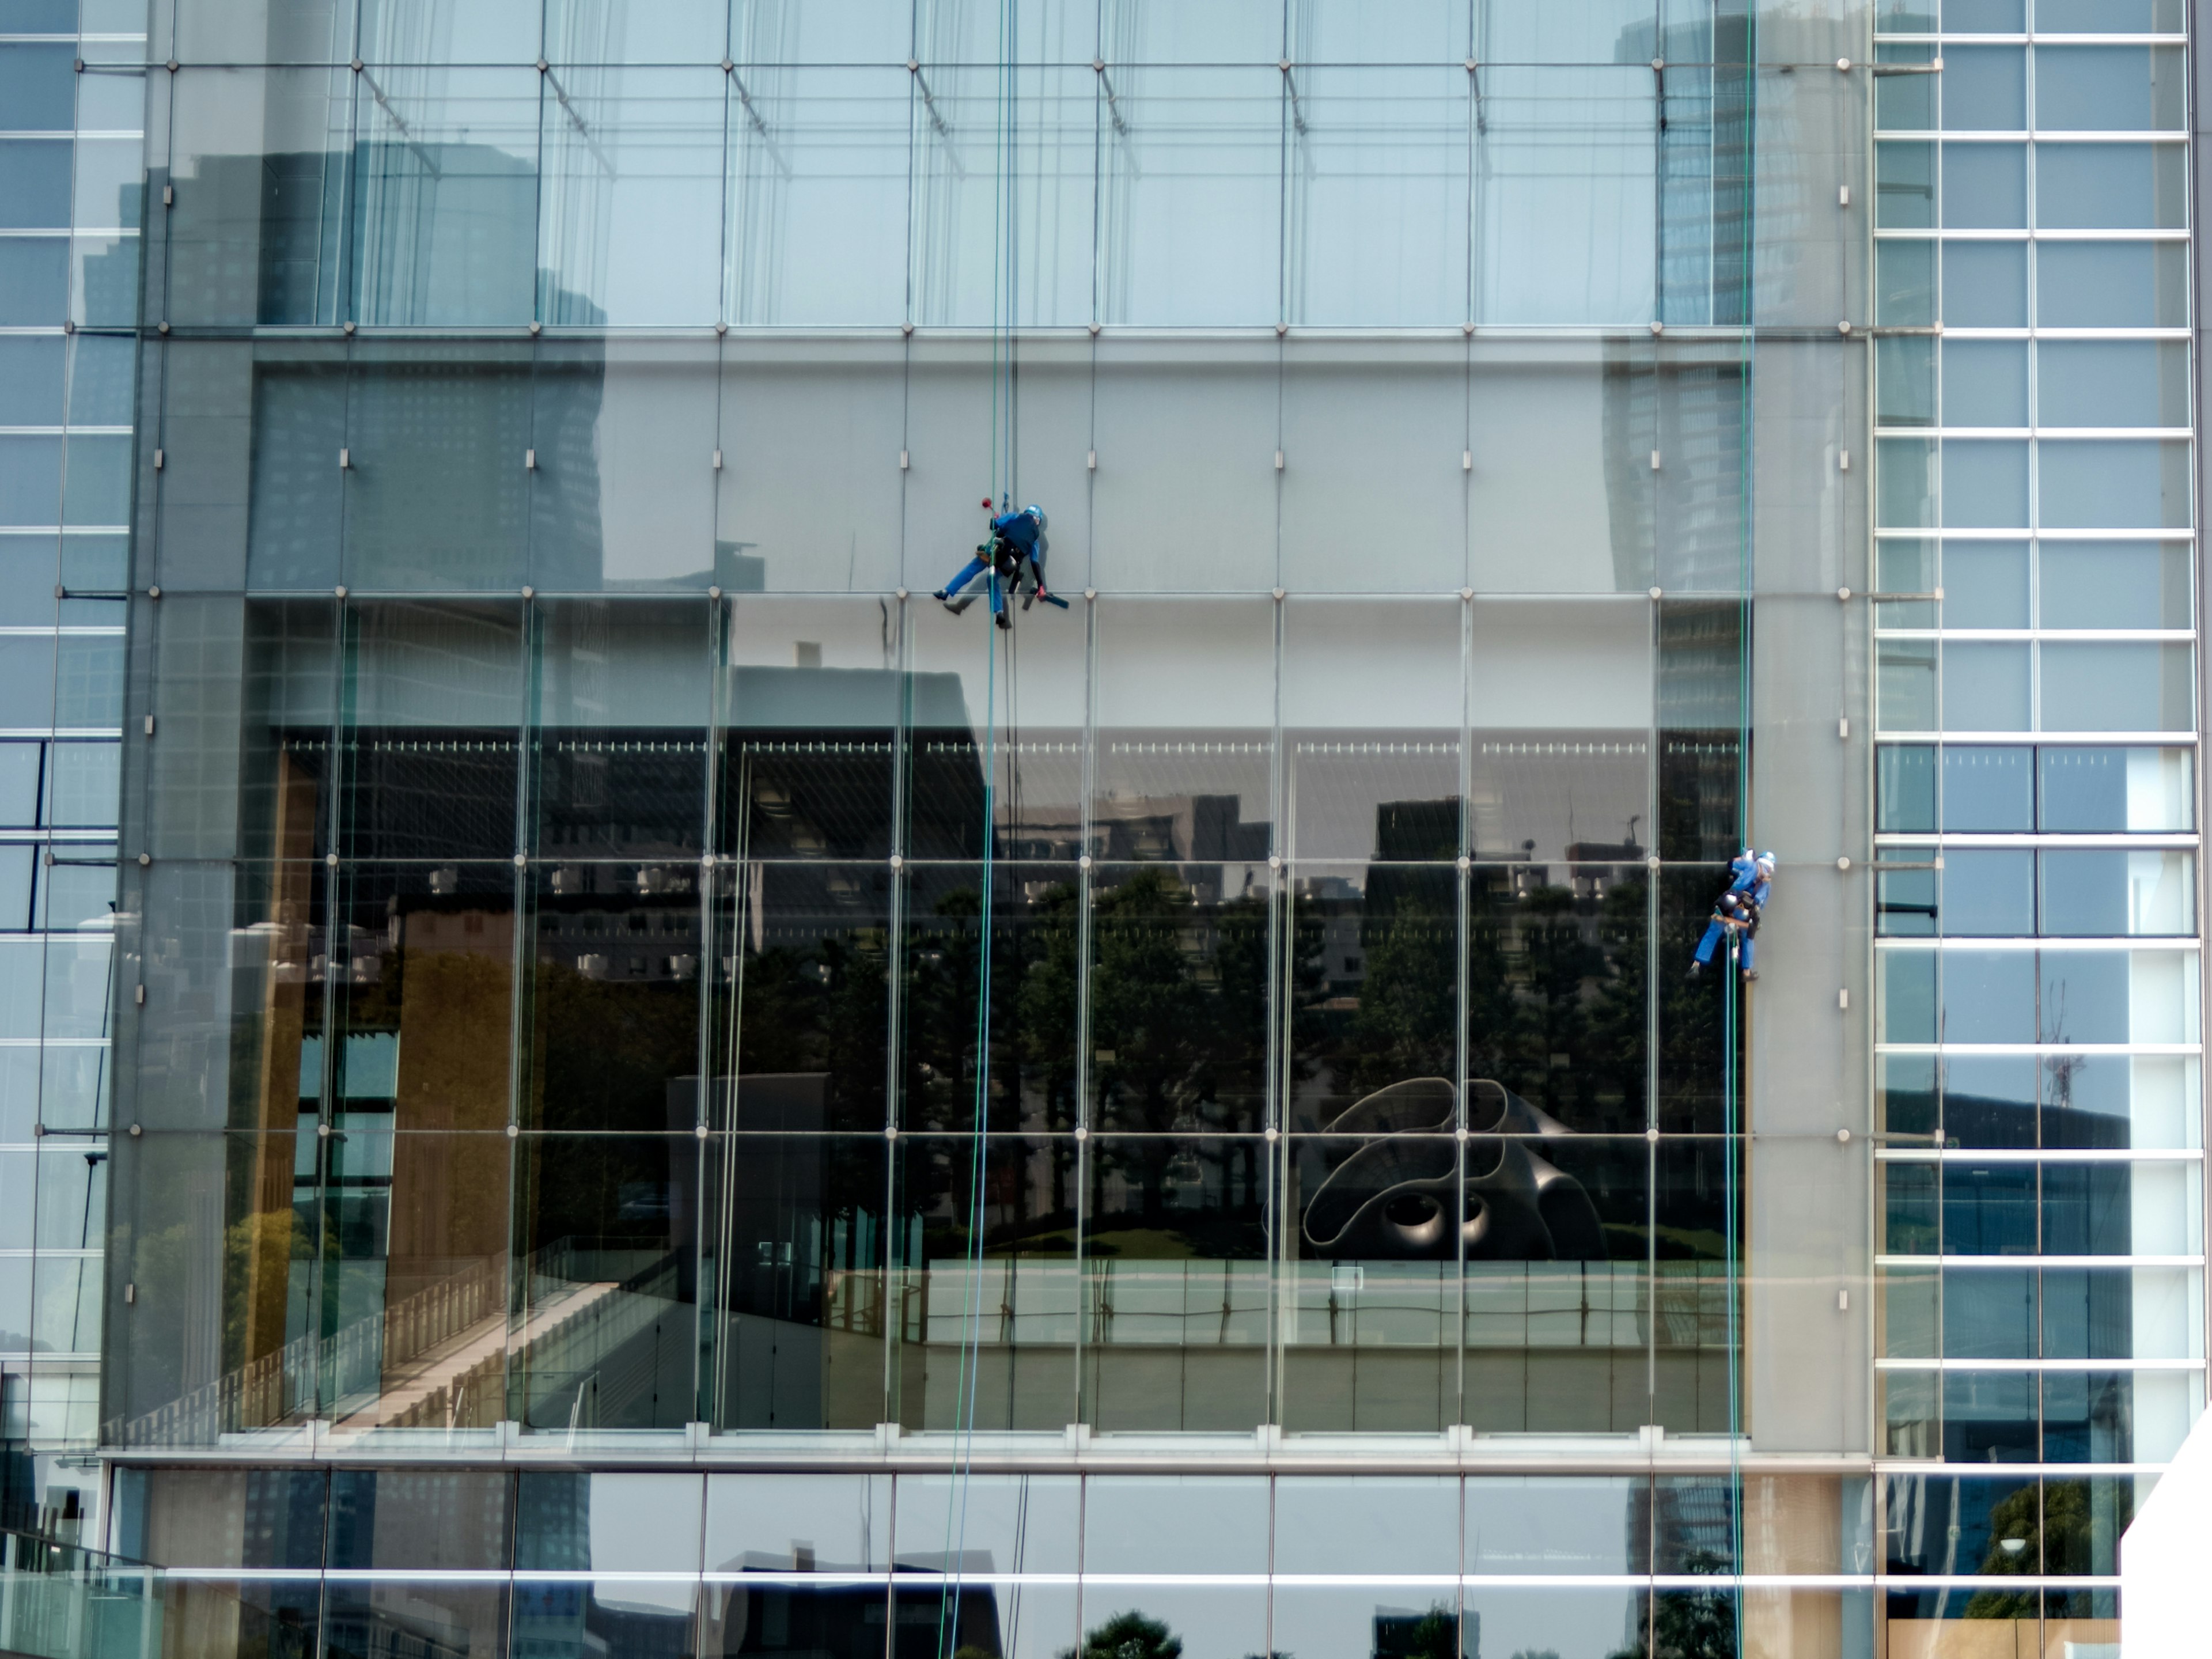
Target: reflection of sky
[(645, 1523), (1579, 1624), (1544, 1525), (759, 1520)]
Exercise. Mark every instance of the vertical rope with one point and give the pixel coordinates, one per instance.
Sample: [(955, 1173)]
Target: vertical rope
[(1001, 469)]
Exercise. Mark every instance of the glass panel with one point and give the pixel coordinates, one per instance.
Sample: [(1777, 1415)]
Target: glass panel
[(1343, 424), (630, 223), (810, 695), (1988, 790), (2114, 585), (2116, 688), (1222, 425), (1984, 286), (2114, 484), (437, 491), (1984, 484), (1986, 687), (1191, 147), (618, 741), (1033, 705), (989, 1326), (1985, 583), (620, 485), (233, 1518), (2111, 383), (1905, 283), (2108, 88), (1988, 1100), (1178, 984), (2111, 285), (254, 228), (612, 998), (796, 1247), (1988, 891), (1985, 187), (818, 182), (446, 189), (2104, 790), (1985, 89), (1378, 175), (797, 1523), (1045, 280), (2110, 891), (1168, 786), (2110, 187), (1564, 183), (433, 700), (1176, 1298), (606, 1233), (802, 996), (1575, 1624), (1985, 384)]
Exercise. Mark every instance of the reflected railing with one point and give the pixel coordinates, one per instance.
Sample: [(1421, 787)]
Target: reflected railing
[(433, 1360), (62, 1601)]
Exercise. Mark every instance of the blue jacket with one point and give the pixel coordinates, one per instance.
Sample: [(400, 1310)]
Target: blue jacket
[(1019, 528)]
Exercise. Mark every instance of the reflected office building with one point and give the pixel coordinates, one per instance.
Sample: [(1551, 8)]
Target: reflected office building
[(670, 1097)]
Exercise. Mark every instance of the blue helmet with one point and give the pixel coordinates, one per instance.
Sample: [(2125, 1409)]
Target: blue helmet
[(1036, 513)]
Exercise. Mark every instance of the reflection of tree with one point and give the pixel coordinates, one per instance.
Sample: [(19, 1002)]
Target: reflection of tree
[(823, 1009), (1178, 1006), (1406, 1023), (1550, 974), (1689, 1624), (1129, 1635), (606, 1050), (1434, 1635), (2057, 1535)]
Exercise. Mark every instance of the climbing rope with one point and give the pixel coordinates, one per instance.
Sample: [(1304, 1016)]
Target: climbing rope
[(1000, 468)]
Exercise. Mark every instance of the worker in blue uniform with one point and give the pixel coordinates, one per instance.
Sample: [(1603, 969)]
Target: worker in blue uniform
[(1736, 914), (1013, 554)]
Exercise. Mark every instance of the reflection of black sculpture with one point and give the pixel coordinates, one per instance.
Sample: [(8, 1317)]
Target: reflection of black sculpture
[(1396, 1196)]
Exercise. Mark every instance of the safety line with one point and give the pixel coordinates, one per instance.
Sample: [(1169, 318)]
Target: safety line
[(1004, 261)]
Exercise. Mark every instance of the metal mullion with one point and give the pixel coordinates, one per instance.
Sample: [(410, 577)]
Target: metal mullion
[(706, 1305), (1084, 880)]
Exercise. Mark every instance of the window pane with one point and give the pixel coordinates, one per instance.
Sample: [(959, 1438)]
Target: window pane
[(818, 194), (1984, 286), (1984, 486), (2110, 891), (2111, 383), (2113, 687), (2110, 187), (2114, 585), (1985, 687), (1985, 585), (2108, 88), (1984, 187), (1988, 789), (1985, 89), (1905, 788), (2111, 285), (1988, 892), (445, 211)]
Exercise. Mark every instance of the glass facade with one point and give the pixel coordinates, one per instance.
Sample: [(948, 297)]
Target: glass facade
[(72, 116), (2040, 1240), (672, 1097)]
